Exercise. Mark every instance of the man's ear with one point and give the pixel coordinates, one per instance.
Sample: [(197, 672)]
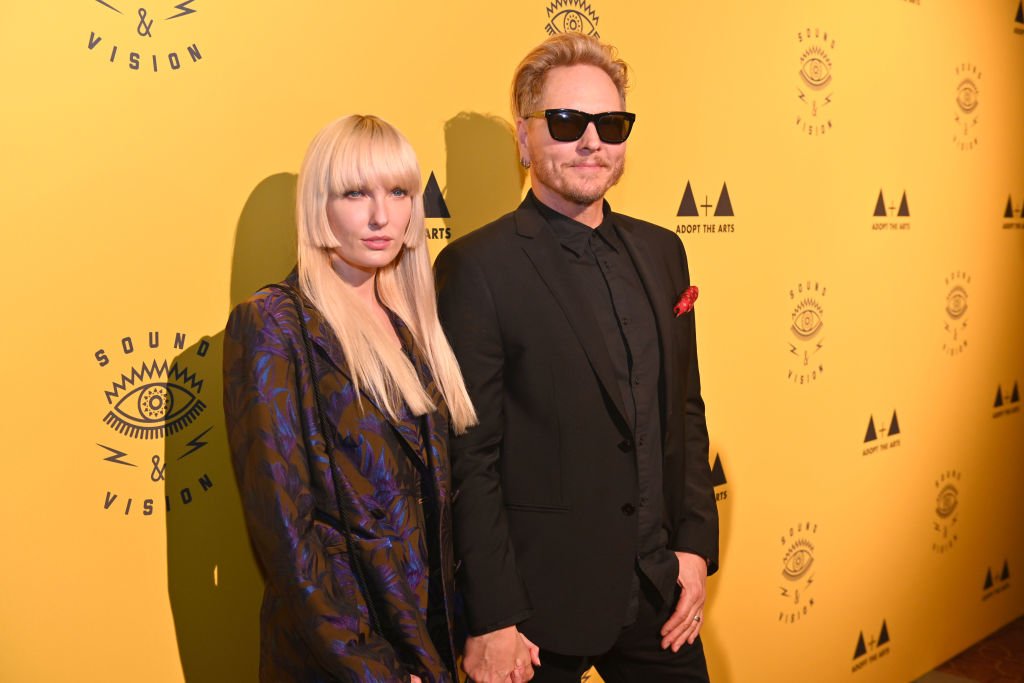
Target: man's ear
[(524, 154)]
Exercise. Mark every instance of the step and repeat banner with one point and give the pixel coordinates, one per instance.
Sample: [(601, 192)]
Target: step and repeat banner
[(847, 178)]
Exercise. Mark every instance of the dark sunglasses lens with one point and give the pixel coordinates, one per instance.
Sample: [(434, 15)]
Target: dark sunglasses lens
[(566, 126), (613, 128)]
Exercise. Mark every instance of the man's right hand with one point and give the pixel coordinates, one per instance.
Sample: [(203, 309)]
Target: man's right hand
[(499, 656)]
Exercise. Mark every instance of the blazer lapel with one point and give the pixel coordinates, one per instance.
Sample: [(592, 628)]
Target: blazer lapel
[(323, 337), (658, 289), (544, 251)]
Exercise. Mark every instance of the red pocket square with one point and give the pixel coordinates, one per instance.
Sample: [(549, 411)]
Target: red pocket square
[(685, 303)]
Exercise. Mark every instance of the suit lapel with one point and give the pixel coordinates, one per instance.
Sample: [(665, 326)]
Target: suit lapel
[(545, 252), (658, 289)]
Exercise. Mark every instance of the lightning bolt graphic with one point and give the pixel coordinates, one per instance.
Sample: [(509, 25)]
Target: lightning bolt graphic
[(785, 591), (183, 6), (116, 457), (109, 6), (820, 345), (828, 98), (792, 349), (196, 443), (803, 97)]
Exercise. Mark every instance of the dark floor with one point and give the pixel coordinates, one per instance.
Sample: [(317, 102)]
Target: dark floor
[(997, 659)]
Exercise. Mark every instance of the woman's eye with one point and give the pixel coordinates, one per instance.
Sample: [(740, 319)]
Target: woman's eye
[(352, 194), (399, 192)]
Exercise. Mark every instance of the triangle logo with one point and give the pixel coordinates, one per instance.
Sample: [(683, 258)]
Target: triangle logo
[(883, 635), (871, 434), (904, 209), (894, 425), (999, 397), (988, 580), (1006, 571), (433, 201), (1020, 13), (688, 207), (1015, 396), (880, 204), (724, 206), (717, 472), (1009, 201), (862, 649)]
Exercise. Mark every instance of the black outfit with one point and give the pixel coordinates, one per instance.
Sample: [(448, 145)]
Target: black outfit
[(590, 460)]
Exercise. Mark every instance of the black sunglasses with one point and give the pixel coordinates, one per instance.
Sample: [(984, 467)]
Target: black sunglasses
[(568, 125)]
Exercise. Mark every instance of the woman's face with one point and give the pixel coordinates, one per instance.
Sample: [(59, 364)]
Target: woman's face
[(369, 224)]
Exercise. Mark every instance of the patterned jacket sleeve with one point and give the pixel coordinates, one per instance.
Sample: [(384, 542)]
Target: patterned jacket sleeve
[(268, 449)]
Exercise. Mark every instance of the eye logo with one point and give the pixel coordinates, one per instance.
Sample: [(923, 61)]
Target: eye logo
[(956, 303), (965, 115), (806, 322), (807, 319), (814, 88), (946, 501), (795, 598), (572, 16), (154, 408), (798, 560), (967, 96), (817, 68), (956, 313)]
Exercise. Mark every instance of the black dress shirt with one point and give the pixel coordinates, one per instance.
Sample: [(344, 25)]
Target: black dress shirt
[(601, 266)]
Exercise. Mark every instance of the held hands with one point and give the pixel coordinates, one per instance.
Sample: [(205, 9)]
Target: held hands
[(685, 622), (500, 656)]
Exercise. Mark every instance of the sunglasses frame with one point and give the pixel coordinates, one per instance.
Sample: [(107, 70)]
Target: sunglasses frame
[(549, 114)]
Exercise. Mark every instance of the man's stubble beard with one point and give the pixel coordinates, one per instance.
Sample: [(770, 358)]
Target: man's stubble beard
[(580, 194)]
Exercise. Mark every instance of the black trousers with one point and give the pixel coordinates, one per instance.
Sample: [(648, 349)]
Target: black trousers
[(636, 656)]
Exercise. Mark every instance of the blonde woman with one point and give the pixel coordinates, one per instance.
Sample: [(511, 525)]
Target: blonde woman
[(339, 387)]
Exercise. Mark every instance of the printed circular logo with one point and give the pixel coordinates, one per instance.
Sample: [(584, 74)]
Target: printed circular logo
[(965, 135), (153, 422), (947, 504), (572, 16), (156, 37), (955, 339), (806, 332), (797, 572), (814, 81)]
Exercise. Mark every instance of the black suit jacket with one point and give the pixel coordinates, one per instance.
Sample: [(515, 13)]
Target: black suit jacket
[(546, 484)]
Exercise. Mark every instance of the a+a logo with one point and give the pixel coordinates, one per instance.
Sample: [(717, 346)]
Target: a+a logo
[(156, 40), (721, 210)]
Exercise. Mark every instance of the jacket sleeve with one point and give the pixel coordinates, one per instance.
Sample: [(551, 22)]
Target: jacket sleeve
[(268, 449), (494, 592), (693, 509)]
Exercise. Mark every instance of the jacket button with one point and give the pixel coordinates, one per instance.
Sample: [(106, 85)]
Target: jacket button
[(626, 445), (628, 509)]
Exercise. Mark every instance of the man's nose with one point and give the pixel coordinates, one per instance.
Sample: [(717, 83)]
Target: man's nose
[(590, 138)]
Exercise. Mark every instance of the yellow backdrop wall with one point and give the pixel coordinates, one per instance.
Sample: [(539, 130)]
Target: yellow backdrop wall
[(848, 179)]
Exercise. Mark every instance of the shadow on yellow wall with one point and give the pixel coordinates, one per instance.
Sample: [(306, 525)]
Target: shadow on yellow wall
[(214, 586), (483, 176)]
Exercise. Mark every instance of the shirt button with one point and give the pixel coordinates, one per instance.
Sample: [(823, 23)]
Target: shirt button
[(626, 445), (628, 509), (640, 441), (636, 380), (625, 320), (643, 501)]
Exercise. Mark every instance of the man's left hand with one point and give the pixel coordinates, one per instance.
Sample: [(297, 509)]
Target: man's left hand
[(685, 622)]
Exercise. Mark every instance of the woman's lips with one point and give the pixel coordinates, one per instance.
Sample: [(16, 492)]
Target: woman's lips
[(377, 243)]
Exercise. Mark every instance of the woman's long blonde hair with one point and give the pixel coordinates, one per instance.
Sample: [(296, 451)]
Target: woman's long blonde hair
[(358, 152)]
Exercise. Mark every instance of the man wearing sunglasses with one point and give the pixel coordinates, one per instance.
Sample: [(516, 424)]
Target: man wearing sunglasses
[(584, 515)]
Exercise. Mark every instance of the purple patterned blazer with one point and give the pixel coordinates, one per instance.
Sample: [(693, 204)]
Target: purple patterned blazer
[(314, 622)]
